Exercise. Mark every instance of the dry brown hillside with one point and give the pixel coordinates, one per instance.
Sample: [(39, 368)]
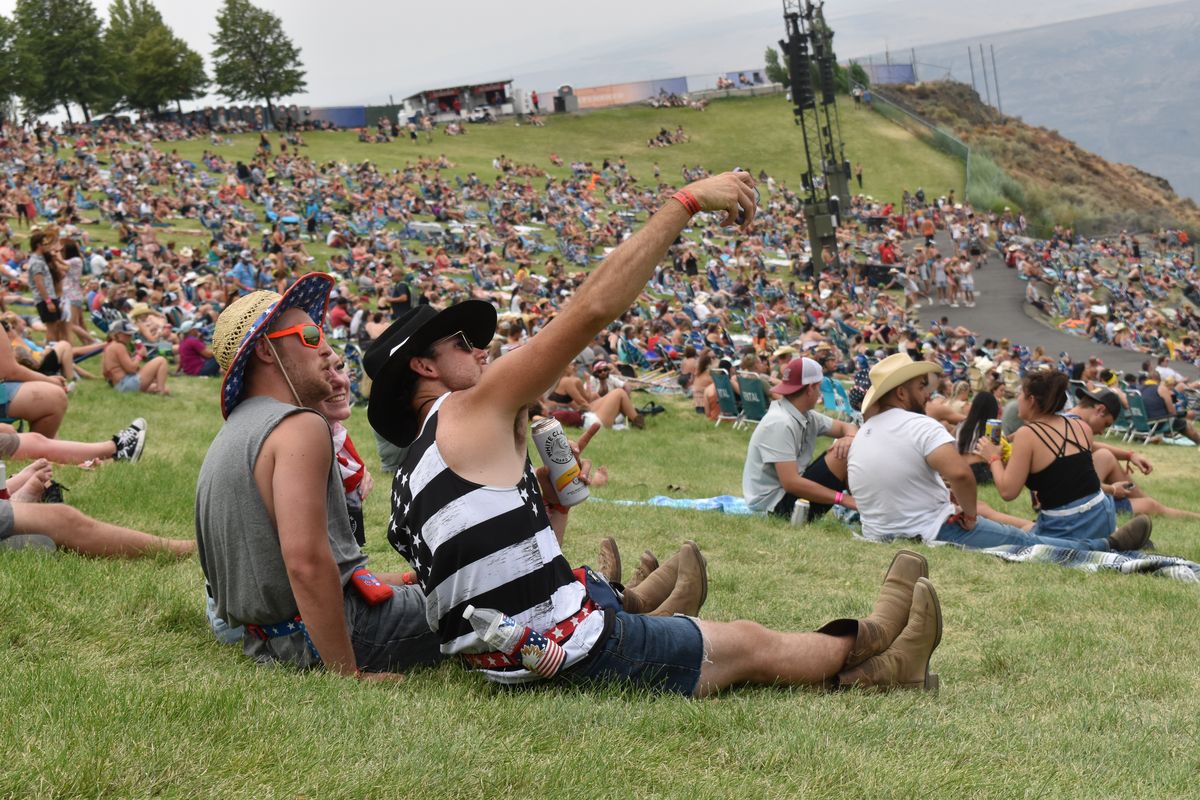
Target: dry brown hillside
[(1059, 182)]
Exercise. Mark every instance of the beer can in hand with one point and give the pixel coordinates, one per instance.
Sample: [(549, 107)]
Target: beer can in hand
[(555, 451), (993, 429)]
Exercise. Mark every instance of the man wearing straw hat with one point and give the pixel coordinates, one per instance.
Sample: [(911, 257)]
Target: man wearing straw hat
[(904, 466), (471, 516), (276, 546)]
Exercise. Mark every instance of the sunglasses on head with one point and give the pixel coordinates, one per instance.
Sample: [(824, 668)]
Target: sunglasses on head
[(460, 341), (310, 335)]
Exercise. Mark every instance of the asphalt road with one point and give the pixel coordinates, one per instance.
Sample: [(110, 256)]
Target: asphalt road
[(1000, 311)]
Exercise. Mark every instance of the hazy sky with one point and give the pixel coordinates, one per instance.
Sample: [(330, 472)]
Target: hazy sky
[(362, 51)]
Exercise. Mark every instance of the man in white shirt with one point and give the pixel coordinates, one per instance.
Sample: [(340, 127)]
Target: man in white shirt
[(904, 465), (778, 469)]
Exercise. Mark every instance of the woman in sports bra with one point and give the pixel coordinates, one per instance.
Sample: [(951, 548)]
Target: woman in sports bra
[(1052, 455)]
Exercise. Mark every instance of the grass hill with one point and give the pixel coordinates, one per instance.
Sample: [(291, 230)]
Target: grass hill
[(1054, 180), (753, 133)]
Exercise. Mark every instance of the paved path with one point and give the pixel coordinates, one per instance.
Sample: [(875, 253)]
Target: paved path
[(1001, 311)]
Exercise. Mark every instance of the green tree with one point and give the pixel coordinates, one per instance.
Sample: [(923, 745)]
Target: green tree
[(151, 65), (8, 65), (253, 58), (60, 56), (777, 71), (858, 74)]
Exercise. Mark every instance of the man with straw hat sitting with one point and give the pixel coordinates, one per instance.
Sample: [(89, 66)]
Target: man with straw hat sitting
[(275, 540), (908, 477)]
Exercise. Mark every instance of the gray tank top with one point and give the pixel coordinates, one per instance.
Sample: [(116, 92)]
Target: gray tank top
[(239, 546)]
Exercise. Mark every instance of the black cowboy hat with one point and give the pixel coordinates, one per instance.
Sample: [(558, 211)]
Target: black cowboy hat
[(387, 360)]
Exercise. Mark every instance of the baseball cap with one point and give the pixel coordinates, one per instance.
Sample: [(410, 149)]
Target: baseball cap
[(800, 372), (1105, 397)]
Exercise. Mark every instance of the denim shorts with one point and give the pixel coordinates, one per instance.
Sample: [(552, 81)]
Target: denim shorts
[(130, 383), (1097, 522), (662, 654), (1123, 506)]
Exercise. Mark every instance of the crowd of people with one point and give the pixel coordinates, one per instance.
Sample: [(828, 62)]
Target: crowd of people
[(440, 289)]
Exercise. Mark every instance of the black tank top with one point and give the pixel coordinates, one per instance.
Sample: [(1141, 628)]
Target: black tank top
[(1070, 476)]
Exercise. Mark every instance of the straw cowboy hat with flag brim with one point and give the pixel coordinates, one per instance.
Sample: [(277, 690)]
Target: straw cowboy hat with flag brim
[(244, 322), (895, 370)]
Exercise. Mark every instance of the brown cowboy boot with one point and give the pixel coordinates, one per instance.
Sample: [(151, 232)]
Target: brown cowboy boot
[(610, 560), (905, 665), (691, 584), (653, 589), (1133, 535), (875, 633), (647, 565)]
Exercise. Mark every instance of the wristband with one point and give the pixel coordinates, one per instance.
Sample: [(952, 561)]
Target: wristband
[(837, 498), (687, 200), (993, 460), (560, 508)]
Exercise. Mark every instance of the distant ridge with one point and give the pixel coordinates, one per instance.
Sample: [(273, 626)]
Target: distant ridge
[(1060, 182)]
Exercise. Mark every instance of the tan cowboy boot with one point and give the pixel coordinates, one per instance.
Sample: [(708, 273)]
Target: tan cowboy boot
[(905, 665), (691, 584), (875, 633), (653, 589), (647, 565), (610, 560)]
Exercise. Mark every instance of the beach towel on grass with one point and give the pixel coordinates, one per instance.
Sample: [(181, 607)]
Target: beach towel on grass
[(1098, 561), (724, 503)]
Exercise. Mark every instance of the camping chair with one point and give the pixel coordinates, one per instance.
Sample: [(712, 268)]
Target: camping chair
[(843, 401), (1139, 426), (726, 399), (754, 399)]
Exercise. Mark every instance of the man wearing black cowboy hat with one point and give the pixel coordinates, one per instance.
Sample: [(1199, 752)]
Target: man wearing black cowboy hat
[(469, 513)]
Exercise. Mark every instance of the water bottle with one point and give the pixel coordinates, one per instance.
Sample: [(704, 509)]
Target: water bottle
[(3, 482), (537, 653)]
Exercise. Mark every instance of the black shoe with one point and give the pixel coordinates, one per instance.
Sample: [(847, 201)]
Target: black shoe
[(54, 493), (651, 409), (130, 441)]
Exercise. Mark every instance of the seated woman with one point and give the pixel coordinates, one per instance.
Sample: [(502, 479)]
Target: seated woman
[(701, 381), (122, 370), (56, 358), (985, 406), (195, 357), (570, 394), (1052, 455), (29, 395)]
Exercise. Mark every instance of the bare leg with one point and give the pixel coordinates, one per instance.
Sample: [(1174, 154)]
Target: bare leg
[(60, 451), (71, 529), (987, 512), (43, 404), (746, 652), (66, 359), (152, 377), (1148, 505), (613, 403)]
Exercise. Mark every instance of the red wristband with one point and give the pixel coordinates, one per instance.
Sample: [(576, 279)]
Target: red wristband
[(837, 498), (687, 200), (994, 459), (558, 507)]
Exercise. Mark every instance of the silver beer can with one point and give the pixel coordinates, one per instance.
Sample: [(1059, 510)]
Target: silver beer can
[(800, 512), (555, 452)]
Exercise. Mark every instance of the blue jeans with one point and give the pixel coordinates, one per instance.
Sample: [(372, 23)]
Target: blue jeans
[(987, 533)]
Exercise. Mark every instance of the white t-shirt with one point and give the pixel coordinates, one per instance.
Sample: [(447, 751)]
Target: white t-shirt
[(898, 494)]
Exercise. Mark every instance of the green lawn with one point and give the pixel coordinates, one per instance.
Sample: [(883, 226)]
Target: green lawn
[(753, 133), (1054, 683)]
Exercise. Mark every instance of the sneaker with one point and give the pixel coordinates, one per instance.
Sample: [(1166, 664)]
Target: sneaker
[(53, 492), (651, 409), (130, 441)]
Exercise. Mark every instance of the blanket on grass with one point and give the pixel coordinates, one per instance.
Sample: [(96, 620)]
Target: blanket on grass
[(1097, 561)]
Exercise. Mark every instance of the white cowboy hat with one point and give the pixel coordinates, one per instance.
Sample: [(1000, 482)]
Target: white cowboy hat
[(893, 371)]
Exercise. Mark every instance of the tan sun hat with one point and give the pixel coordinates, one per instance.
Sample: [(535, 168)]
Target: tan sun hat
[(893, 371), (140, 310)]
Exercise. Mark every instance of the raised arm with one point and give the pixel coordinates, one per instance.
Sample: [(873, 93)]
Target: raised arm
[(524, 374)]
